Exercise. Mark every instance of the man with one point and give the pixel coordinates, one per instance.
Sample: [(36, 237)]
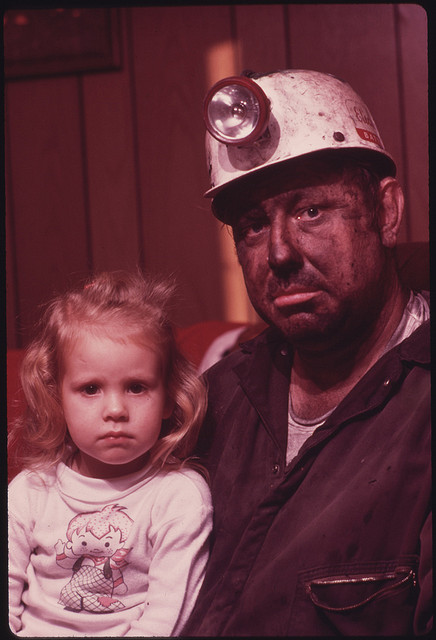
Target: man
[(317, 437)]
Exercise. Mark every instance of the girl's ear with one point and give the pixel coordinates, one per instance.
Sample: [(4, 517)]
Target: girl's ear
[(168, 408), (391, 211)]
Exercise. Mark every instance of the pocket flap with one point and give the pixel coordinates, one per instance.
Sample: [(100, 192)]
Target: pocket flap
[(350, 591)]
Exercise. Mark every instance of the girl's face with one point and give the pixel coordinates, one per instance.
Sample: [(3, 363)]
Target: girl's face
[(114, 400)]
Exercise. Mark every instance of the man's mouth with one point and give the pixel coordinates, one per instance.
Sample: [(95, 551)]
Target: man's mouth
[(284, 297)]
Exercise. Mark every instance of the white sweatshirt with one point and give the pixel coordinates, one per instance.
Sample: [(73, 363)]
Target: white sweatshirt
[(118, 557)]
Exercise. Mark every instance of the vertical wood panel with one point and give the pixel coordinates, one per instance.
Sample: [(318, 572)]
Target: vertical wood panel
[(47, 182), (10, 263), (261, 37), (11, 310), (412, 28), (11, 307), (111, 170), (171, 45)]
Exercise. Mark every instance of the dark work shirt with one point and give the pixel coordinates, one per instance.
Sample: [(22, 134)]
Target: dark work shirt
[(339, 541)]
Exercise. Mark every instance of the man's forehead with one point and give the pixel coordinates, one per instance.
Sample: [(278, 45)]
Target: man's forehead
[(284, 180)]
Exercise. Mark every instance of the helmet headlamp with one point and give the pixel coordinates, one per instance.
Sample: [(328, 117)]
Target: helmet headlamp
[(236, 111), (264, 120)]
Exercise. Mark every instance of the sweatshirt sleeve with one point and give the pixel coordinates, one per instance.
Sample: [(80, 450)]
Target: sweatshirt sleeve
[(182, 522), (19, 533)]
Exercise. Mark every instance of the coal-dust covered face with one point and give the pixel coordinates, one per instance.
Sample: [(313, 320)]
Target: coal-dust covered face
[(311, 252)]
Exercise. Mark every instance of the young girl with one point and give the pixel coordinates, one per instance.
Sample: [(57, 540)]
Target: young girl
[(109, 524)]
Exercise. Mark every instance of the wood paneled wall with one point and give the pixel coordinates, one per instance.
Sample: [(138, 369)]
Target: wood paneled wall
[(106, 170)]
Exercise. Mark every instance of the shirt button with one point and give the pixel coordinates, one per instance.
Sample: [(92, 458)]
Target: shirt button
[(276, 468), (387, 382), (284, 351)]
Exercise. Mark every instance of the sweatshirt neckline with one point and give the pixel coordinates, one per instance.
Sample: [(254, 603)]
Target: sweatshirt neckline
[(92, 490)]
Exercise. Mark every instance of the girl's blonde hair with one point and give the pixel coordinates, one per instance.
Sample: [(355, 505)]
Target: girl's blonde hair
[(139, 305)]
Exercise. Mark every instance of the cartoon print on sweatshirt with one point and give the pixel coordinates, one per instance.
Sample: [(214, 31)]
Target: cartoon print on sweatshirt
[(95, 552)]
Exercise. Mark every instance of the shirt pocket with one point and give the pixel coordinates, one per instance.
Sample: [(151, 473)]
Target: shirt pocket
[(374, 598)]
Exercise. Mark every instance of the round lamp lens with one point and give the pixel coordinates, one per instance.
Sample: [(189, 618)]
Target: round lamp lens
[(236, 113), (233, 112)]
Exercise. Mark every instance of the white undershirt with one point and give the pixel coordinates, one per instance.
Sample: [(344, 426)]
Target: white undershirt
[(416, 312)]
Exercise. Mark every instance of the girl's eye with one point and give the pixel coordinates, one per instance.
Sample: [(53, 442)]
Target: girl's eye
[(90, 389), (136, 388)]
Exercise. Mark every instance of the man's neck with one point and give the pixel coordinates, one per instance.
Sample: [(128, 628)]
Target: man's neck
[(320, 379)]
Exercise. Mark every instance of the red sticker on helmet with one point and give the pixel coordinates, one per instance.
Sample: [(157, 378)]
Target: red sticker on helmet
[(364, 123), (369, 136)]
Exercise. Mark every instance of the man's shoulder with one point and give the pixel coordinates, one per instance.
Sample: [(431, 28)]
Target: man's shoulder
[(417, 347), (245, 351)]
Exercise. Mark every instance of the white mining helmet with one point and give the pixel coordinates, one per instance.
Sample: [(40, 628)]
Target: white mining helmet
[(258, 120)]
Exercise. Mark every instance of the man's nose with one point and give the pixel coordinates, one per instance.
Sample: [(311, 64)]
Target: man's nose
[(283, 252), (115, 407)]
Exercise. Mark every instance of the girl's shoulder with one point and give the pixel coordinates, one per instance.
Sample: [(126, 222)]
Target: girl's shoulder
[(33, 479), (28, 491), (187, 477), (185, 487)]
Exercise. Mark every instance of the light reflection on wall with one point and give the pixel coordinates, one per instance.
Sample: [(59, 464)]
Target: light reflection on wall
[(221, 61)]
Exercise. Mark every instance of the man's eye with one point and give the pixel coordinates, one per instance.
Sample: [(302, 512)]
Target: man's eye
[(90, 389), (313, 212), (309, 212), (250, 228), (256, 227)]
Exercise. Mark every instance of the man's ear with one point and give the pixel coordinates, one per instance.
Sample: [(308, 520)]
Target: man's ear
[(391, 211)]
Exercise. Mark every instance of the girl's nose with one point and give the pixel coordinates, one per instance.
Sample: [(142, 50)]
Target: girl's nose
[(115, 408)]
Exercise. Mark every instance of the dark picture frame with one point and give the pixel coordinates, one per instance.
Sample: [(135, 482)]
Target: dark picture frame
[(45, 42)]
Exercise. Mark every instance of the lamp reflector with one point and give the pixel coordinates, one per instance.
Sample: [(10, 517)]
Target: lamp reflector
[(236, 111)]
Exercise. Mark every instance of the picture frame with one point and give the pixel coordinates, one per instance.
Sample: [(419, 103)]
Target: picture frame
[(46, 42)]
